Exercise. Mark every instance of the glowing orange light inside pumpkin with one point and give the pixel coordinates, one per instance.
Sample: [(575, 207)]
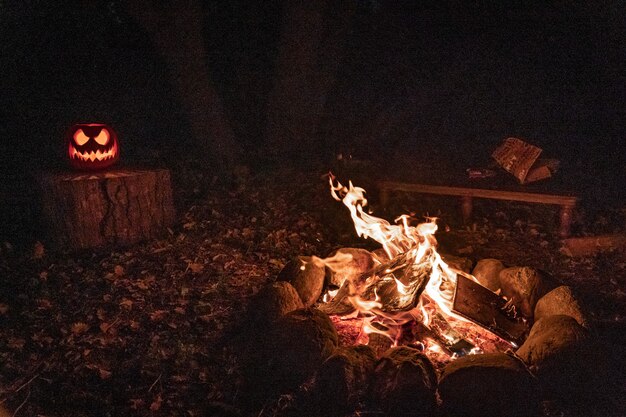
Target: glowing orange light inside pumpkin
[(92, 146)]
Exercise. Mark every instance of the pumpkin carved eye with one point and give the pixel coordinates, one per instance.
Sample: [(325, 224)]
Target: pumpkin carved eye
[(80, 138), (103, 137)]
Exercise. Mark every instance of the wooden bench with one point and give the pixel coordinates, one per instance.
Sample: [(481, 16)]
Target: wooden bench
[(566, 202)]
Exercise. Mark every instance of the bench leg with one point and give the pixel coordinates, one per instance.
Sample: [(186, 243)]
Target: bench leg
[(384, 197), (466, 208), (565, 218)]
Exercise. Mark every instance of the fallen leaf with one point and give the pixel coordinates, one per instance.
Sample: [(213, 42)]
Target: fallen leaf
[(141, 285), (38, 251), (16, 343), (43, 303), (219, 256), (207, 318), (126, 304), (104, 374), (158, 315), (189, 225), (156, 404), (136, 403), (277, 263), (3, 308), (196, 267), (118, 270), (79, 328)]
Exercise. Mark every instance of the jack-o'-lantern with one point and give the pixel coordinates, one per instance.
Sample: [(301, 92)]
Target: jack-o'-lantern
[(92, 146)]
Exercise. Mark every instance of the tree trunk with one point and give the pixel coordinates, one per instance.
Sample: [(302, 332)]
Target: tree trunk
[(85, 210), (176, 30), (310, 50)]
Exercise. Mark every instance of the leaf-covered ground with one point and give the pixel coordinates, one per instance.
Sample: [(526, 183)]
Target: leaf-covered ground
[(145, 330)]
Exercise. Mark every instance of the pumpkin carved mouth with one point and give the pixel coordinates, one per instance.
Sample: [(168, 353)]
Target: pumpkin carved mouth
[(92, 156)]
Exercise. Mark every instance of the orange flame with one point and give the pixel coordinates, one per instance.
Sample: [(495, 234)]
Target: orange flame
[(396, 239)]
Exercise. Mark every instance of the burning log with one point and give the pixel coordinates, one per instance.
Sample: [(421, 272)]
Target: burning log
[(342, 381), (396, 285), (404, 382), (380, 343), (440, 330), (350, 263), (506, 387)]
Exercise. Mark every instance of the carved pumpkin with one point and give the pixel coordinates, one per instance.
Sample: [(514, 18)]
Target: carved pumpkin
[(92, 146)]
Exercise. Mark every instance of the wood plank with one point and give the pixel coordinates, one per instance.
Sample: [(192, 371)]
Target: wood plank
[(487, 309), (562, 200)]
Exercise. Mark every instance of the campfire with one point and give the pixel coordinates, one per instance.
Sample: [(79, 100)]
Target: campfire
[(406, 329), (411, 295)]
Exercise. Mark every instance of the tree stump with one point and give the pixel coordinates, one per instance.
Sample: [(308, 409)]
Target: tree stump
[(123, 206)]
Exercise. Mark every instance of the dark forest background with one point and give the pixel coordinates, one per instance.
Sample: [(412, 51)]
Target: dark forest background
[(260, 83)]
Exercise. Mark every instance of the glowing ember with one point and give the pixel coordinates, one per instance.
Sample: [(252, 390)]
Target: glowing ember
[(414, 286)]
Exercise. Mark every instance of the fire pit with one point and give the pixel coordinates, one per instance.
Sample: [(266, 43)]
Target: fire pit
[(412, 295), (407, 330)]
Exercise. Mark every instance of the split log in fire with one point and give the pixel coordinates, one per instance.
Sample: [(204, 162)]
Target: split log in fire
[(413, 287)]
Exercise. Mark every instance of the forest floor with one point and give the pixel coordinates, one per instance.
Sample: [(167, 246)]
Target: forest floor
[(145, 330)]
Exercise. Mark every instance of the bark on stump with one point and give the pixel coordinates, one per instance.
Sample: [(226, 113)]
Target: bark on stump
[(124, 206)]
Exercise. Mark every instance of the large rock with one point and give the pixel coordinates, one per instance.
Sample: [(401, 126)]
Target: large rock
[(273, 301), (487, 272), (404, 383), (306, 276), (560, 300), (524, 286), (289, 353), (557, 351), (342, 381), (493, 384), (302, 340), (357, 261)]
